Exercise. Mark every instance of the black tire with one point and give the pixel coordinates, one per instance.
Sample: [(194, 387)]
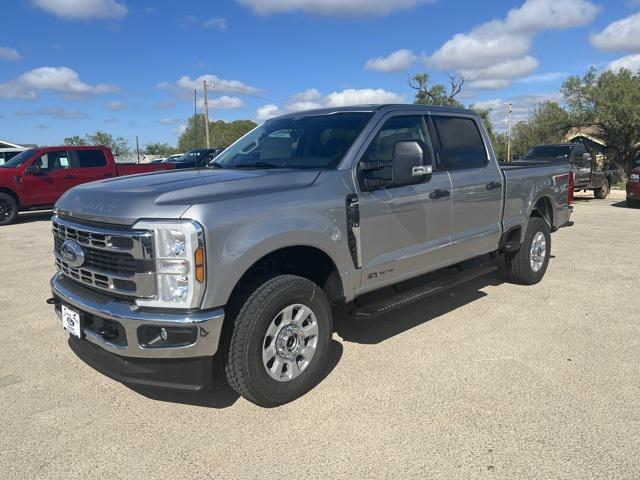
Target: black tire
[(633, 203), (8, 209), (244, 367), (601, 193), (518, 264)]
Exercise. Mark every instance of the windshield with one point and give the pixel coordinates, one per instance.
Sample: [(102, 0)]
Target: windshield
[(317, 141), (19, 159), (560, 152)]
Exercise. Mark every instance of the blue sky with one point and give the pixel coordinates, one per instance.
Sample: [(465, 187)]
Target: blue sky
[(70, 67)]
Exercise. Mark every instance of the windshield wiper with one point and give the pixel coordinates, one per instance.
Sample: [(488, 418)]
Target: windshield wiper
[(258, 165)]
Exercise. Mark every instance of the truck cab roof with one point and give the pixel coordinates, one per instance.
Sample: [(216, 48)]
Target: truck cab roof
[(379, 108)]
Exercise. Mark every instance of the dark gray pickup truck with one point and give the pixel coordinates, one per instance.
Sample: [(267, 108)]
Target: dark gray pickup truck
[(586, 173), (245, 259)]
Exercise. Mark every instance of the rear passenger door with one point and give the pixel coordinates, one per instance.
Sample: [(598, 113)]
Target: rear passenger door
[(476, 186), (90, 165)]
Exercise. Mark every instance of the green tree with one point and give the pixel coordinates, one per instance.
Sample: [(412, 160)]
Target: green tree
[(162, 149), (611, 101), (548, 122), (222, 134), (119, 145), (75, 140), (436, 94)]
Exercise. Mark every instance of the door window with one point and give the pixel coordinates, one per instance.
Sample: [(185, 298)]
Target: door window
[(461, 143), (52, 161), (90, 158), (394, 130)]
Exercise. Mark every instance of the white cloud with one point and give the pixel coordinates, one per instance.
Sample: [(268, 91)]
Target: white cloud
[(115, 106), (328, 8), (521, 107), (398, 61), (62, 80), (313, 99), (61, 113), (217, 23), (362, 96), (169, 121), (225, 102), (504, 44), (267, 111), (630, 62), (215, 84), (621, 35), (83, 9), (7, 53)]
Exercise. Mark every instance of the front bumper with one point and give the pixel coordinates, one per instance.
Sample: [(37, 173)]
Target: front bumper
[(116, 325)]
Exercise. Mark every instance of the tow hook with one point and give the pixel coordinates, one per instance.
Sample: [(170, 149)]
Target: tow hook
[(53, 301), (107, 333)]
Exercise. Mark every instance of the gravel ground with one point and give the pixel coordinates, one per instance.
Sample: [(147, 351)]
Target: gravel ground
[(490, 380)]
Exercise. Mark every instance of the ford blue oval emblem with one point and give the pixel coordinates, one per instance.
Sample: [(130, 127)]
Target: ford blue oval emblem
[(72, 253)]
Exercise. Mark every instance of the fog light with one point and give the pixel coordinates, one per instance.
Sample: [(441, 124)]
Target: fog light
[(163, 334)]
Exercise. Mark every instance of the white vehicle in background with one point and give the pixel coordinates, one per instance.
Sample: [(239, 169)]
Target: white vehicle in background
[(172, 158), (7, 154)]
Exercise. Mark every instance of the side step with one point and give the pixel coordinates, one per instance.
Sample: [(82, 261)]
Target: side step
[(385, 305)]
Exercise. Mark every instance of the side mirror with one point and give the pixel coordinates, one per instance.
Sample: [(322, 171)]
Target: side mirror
[(33, 169), (409, 166), (586, 157)]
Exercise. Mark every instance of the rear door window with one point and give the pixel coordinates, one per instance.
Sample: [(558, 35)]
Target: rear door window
[(90, 158), (461, 144)]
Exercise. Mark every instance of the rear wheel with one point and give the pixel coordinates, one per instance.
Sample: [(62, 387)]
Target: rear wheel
[(528, 265), (8, 209), (601, 193), (279, 345)]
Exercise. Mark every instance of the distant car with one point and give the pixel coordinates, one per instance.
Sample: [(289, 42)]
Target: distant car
[(158, 160), (7, 154), (196, 158), (172, 158), (633, 188)]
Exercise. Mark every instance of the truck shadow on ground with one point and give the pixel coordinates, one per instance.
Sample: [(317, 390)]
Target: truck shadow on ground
[(622, 204), (378, 329), (221, 395)]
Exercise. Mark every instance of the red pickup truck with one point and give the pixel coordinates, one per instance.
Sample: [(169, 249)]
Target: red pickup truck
[(36, 178)]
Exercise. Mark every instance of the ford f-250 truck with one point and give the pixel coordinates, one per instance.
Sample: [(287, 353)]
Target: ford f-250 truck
[(159, 272), (36, 178)]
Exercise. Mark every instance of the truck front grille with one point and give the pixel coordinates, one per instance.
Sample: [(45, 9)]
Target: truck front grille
[(118, 261)]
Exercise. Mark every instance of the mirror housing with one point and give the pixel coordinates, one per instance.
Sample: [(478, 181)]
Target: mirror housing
[(409, 166), (33, 169)]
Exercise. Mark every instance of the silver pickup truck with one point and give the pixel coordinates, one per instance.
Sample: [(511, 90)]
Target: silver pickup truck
[(244, 259)]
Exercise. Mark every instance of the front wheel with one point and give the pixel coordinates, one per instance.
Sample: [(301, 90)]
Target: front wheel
[(601, 193), (528, 265), (279, 345), (8, 209)]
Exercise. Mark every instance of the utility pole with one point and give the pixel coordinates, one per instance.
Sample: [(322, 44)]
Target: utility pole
[(195, 115), (206, 113), (509, 112), (137, 148)]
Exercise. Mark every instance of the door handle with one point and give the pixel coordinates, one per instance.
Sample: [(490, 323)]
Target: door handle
[(439, 194), (493, 185), (69, 177)]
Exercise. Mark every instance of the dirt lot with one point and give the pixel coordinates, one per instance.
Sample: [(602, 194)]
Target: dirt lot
[(489, 380)]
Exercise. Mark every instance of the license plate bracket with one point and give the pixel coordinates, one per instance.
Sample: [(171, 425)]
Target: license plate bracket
[(71, 321)]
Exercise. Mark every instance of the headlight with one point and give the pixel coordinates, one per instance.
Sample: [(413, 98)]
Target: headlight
[(634, 177), (180, 264)]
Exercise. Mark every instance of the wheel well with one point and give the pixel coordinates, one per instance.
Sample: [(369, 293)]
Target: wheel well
[(307, 262), (543, 209), (11, 193)]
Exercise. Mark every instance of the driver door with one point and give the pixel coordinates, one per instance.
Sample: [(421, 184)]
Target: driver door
[(54, 178), (404, 230)]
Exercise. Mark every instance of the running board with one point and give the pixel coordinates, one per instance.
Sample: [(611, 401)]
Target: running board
[(386, 305)]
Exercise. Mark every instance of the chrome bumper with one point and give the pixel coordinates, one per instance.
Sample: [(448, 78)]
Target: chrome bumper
[(89, 302)]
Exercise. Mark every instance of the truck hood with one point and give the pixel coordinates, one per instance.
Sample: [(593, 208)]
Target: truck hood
[(169, 194)]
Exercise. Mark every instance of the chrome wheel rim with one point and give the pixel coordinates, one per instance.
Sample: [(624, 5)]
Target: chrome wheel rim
[(290, 342), (538, 251)]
